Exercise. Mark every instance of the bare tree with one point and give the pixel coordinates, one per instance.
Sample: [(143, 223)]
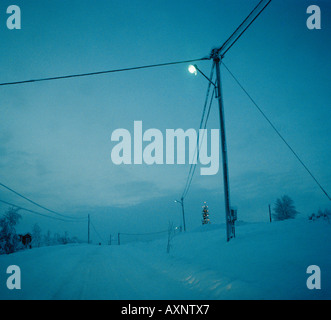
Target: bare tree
[(48, 238), (56, 239), (36, 235), (284, 209), (66, 238)]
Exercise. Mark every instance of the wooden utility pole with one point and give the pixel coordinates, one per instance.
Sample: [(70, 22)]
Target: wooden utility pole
[(88, 229), (270, 214), (183, 211), (229, 221), (217, 55)]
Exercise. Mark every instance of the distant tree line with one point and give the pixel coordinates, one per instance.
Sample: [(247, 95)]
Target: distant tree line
[(321, 214), (10, 241), (285, 209)]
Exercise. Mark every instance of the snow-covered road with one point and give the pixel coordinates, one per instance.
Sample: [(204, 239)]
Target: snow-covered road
[(265, 261), (90, 272)]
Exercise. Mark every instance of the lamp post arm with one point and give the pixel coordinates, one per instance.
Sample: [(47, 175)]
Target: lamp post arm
[(196, 67)]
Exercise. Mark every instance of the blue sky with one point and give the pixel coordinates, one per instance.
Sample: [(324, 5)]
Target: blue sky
[(55, 136)]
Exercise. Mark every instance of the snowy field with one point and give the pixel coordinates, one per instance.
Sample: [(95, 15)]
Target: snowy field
[(265, 261)]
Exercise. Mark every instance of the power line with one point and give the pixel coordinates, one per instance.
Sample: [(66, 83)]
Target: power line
[(223, 50), (37, 204), (100, 72), (226, 42), (195, 165), (96, 232), (276, 130), (197, 148), (195, 151), (35, 212)]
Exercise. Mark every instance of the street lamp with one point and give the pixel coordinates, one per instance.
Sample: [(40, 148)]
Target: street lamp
[(192, 69), (182, 204)]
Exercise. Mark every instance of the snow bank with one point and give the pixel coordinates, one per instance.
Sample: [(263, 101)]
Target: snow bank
[(265, 261)]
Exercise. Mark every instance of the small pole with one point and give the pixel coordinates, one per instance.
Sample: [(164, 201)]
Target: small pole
[(110, 240), (88, 230), (118, 239), (270, 214), (182, 203)]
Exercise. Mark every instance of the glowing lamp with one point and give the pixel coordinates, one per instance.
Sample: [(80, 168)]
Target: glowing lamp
[(192, 69)]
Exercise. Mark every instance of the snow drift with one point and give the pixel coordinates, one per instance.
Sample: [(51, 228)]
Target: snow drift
[(264, 261)]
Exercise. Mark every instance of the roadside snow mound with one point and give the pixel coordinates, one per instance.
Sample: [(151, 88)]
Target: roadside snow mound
[(264, 261)]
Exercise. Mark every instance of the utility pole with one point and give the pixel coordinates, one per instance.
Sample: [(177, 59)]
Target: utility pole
[(217, 55), (229, 220), (183, 211), (88, 230), (182, 201), (270, 214)]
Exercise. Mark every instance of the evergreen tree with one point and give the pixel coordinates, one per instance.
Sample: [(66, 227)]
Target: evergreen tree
[(205, 214)]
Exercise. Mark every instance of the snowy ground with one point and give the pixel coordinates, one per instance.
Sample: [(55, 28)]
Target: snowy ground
[(265, 261)]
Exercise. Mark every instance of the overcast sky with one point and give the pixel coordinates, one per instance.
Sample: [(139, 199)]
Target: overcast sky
[(55, 136)]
